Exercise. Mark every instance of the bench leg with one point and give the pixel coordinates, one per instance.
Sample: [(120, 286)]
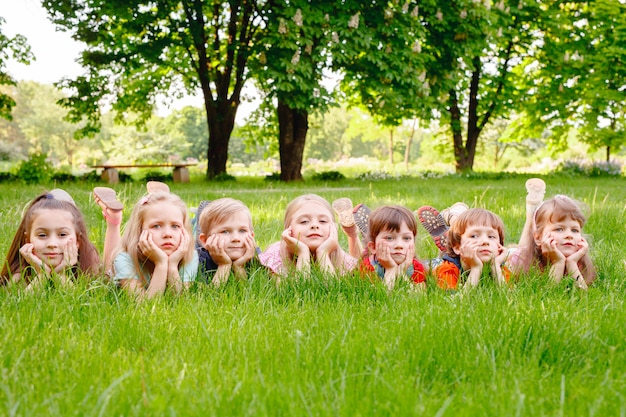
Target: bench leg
[(110, 175), (181, 174)]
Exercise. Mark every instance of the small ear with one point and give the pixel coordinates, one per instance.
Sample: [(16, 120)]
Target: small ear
[(252, 233), (202, 238), (457, 249), (537, 239)]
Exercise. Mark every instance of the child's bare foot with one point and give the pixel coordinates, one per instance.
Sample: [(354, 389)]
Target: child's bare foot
[(157, 186), (451, 213), (343, 208), (536, 189), (111, 207)]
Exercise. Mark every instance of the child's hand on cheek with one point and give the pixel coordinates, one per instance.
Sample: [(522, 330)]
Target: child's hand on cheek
[(176, 256), (550, 250), (215, 246), (501, 256), (583, 248), (293, 244), (70, 256), (149, 249), (383, 255), (469, 255), (330, 244), (249, 253), (27, 252)]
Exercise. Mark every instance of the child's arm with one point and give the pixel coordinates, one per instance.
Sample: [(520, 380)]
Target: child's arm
[(498, 262), (215, 246), (291, 245), (571, 264), (158, 281), (42, 271), (554, 256), (328, 248), (174, 260), (471, 262)]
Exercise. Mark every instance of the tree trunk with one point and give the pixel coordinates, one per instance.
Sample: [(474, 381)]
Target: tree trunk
[(221, 121), (292, 126), (409, 142), (608, 154), (460, 155), (391, 146)]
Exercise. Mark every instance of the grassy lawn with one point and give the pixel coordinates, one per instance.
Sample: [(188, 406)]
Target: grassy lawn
[(325, 346)]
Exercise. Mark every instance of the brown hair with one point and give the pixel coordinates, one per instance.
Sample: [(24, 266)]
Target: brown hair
[(88, 257), (472, 217), (554, 210), (390, 218)]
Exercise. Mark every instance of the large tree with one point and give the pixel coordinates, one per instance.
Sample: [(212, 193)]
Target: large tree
[(16, 48), (138, 51), (576, 79), (458, 58)]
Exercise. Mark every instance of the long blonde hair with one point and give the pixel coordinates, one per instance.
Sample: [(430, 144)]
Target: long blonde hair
[(301, 201), (134, 227)]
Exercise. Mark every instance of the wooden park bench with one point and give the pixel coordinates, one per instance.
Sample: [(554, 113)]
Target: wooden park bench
[(111, 175)]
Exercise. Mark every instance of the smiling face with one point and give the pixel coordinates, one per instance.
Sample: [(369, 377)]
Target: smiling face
[(485, 239), (50, 233), (311, 224), (567, 233), (233, 231), (399, 242), (165, 223)]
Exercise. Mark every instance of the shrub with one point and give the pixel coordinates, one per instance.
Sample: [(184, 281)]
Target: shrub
[(156, 176), (591, 169), (91, 176), (7, 176), (35, 170), (328, 176), (274, 176), (62, 177), (224, 177)]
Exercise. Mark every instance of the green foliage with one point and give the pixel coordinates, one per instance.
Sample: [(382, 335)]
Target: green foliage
[(328, 176), (16, 48), (35, 170)]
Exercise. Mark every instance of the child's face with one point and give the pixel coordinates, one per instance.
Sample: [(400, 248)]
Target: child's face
[(567, 234), (51, 232), (233, 232), (165, 223), (399, 243), (484, 239), (311, 224)]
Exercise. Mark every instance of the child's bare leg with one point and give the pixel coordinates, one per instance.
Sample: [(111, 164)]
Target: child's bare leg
[(343, 208), (536, 190), (112, 211)]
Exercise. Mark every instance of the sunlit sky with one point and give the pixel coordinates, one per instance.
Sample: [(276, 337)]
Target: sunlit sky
[(55, 51)]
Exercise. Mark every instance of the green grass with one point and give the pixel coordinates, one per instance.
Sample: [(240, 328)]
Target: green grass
[(323, 346)]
